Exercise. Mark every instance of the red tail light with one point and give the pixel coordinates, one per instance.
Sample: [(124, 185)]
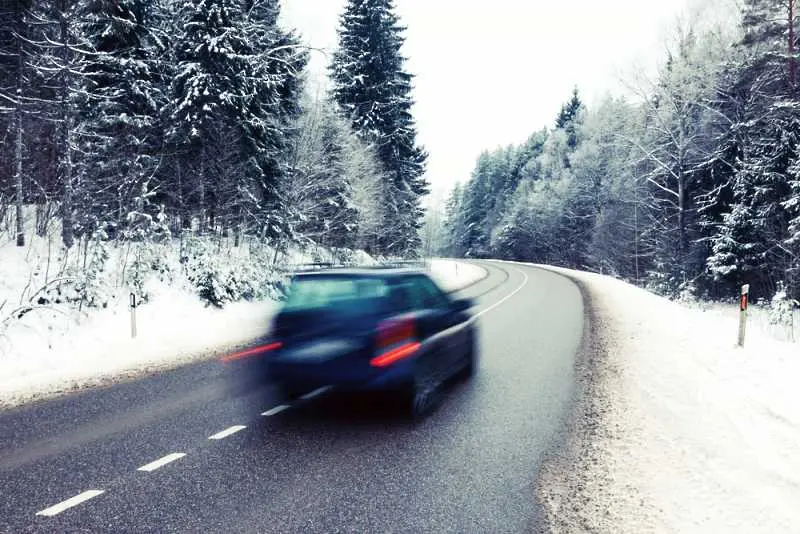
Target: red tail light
[(396, 339), (252, 352)]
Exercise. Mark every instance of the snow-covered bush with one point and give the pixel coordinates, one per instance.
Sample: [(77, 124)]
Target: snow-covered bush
[(662, 282), (220, 279), (84, 284), (150, 263), (781, 308), (687, 293), (92, 287)]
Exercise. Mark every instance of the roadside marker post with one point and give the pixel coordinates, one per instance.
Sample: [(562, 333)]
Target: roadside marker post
[(743, 302), (133, 315)]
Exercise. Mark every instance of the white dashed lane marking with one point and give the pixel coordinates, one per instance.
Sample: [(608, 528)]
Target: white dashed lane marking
[(276, 410), (227, 432), (152, 466), (69, 503), (316, 393)]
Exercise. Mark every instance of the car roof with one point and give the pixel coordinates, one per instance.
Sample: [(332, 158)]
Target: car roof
[(360, 272)]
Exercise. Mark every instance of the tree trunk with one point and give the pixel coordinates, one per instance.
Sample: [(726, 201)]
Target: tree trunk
[(18, 155), (18, 178), (67, 234), (237, 229), (792, 57), (201, 192), (681, 218)]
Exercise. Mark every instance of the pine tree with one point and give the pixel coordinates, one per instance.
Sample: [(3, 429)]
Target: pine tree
[(206, 100), (569, 118), (321, 192), (374, 92), (454, 224), (275, 65), (119, 112), (753, 242)]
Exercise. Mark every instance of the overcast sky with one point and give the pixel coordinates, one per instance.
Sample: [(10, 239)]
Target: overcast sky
[(490, 73)]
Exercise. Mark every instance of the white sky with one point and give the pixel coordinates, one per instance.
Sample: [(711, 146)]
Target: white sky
[(491, 73)]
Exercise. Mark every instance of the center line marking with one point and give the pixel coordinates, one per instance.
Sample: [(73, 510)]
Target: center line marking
[(152, 466), (69, 503), (227, 432), (501, 301), (276, 410), (317, 392)]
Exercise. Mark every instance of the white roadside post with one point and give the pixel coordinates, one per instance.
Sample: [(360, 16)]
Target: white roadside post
[(133, 315), (743, 313)]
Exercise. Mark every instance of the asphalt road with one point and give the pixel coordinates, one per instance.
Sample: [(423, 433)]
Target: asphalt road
[(324, 464)]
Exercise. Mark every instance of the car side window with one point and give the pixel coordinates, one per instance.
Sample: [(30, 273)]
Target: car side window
[(400, 298), (428, 295)]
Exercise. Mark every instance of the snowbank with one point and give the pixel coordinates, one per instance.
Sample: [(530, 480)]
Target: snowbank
[(454, 275), (175, 329), (677, 429)]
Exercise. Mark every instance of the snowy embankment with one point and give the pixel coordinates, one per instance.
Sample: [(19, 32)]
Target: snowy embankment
[(174, 329), (53, 349), (453, 275), (676, 429)]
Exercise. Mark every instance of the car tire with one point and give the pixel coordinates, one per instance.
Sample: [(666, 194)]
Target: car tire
[(470, 359), (422, 396)]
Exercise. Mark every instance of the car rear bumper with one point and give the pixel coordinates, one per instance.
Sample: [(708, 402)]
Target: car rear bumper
[(341, 376)]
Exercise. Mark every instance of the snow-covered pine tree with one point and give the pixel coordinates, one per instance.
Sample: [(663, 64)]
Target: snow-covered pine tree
[(119, 111), (454, 224), (604, 191), (671, 146), (206, 101), (275, 62), (320, 191), (569, 118), (753, 243), (373, 90)]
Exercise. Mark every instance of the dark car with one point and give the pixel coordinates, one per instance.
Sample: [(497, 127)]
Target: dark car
[(371, 329)]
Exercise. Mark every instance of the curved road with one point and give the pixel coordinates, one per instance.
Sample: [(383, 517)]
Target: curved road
[(325, 464)]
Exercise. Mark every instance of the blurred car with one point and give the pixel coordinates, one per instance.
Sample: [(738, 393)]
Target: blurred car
[(371, 329)]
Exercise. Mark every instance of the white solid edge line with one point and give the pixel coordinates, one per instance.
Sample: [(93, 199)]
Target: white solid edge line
[(227, 432), (152, 466), (69, 503), (317, 392), (502, 300), (276, 410)]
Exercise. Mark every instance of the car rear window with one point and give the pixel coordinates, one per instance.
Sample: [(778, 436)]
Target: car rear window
[(330, 292)]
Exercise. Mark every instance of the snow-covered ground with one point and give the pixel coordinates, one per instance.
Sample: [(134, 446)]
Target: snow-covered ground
[(759, 317), (454, 275), (676, 429), (174, 329), (54, 349)]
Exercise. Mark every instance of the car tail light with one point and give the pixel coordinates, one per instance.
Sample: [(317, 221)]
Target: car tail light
[(396, 339), (261, 349)]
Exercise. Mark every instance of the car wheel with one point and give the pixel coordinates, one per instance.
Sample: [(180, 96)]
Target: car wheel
[(423, 396), (470, 359)]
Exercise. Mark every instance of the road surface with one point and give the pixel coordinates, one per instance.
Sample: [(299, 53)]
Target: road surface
[(204, 449)]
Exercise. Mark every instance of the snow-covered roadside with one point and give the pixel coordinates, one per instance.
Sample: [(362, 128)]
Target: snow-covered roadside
[(676, 429), (453, 275), (175, 329)]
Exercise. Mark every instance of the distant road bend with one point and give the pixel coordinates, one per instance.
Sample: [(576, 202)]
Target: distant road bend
[(203, 448)]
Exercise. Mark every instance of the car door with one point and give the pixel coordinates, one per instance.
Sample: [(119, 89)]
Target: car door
[(406, 298), (446, 325)]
